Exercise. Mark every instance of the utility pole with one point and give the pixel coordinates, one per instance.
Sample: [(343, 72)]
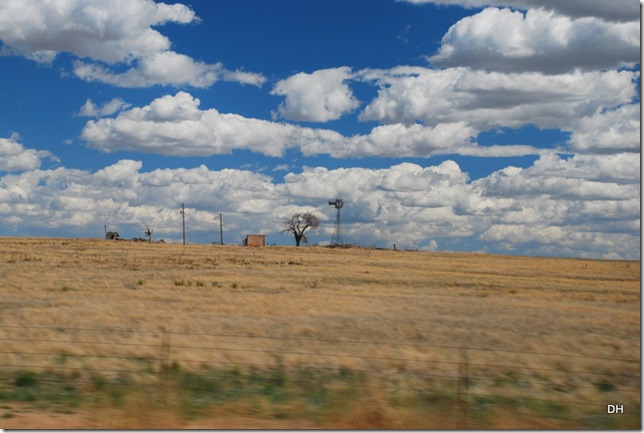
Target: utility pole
[(183, 216), (221, 229)]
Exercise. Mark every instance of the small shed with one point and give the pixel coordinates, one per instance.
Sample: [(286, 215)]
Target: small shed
[(255, 241), (112, 236)]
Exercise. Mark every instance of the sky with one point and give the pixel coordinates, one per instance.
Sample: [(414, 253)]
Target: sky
[(503, 127)]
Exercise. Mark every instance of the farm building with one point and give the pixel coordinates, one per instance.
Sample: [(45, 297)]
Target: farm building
[(255, 241)]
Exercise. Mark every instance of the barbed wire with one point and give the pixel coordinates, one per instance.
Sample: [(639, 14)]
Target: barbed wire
[(161, 329), (413, 375), (300, 339), (276, 352)]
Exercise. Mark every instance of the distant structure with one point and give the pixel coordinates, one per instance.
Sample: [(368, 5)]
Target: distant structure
[(255, 241), (183, 217), (148, 233), (112, 236), (337, 235), (221, 228)]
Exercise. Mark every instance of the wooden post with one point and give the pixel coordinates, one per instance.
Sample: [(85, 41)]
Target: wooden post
[(164, 364), (463, 384)]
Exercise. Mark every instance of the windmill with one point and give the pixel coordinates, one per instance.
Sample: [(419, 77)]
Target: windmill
[(337, 236)]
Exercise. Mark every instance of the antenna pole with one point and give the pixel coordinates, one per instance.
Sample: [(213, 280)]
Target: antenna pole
[(221, 229)]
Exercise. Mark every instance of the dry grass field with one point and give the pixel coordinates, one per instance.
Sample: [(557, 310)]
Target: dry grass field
[(335, 337)]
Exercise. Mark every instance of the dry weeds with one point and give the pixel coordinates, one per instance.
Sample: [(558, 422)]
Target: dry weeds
[(309, 300)]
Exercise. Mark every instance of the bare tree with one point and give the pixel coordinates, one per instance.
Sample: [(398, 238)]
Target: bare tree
[(148, 233), (297, 224)]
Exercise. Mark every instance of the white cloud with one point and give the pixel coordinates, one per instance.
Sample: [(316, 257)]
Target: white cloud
[(621, 168), (572, 241), (317, 97), (586, 205), (581, 177), (487, 100), (281, 167), (612, 131), (506, 150), (614, 10), (166, 68), (114, 33), (14, 157), (505, 40), (90, 109), (398, 140), (174, 125), (121, 174), (590, 208), (124, 197), (243, 77)]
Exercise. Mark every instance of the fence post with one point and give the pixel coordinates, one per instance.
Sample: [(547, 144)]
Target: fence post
[(164, 364), (463, 384)]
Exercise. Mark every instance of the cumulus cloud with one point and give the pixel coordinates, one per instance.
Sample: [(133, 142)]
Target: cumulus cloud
[(398, 140), (557, 241), (317, 97), (113, 33), (570, 206), (580, 206), (615, 10), (125, 197), (174, 125), (610, 177), (425, 112), (611, 131), (487, 100), (165, 68), (14, 156), (505, 40)]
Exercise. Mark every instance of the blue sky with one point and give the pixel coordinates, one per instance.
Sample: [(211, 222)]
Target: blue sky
[(508, 126)]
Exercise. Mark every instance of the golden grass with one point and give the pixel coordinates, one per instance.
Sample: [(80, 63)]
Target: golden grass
[(311, 299)]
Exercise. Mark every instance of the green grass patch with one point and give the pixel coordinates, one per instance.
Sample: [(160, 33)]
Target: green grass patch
[(25, 379), (604, 386), (321, 396)]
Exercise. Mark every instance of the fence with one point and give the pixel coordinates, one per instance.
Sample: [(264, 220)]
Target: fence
[(467, 385)]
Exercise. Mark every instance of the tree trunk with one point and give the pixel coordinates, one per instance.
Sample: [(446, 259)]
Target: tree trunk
[(297, 240)]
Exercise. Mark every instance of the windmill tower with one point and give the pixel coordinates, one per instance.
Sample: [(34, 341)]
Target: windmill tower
[(337, 236)]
